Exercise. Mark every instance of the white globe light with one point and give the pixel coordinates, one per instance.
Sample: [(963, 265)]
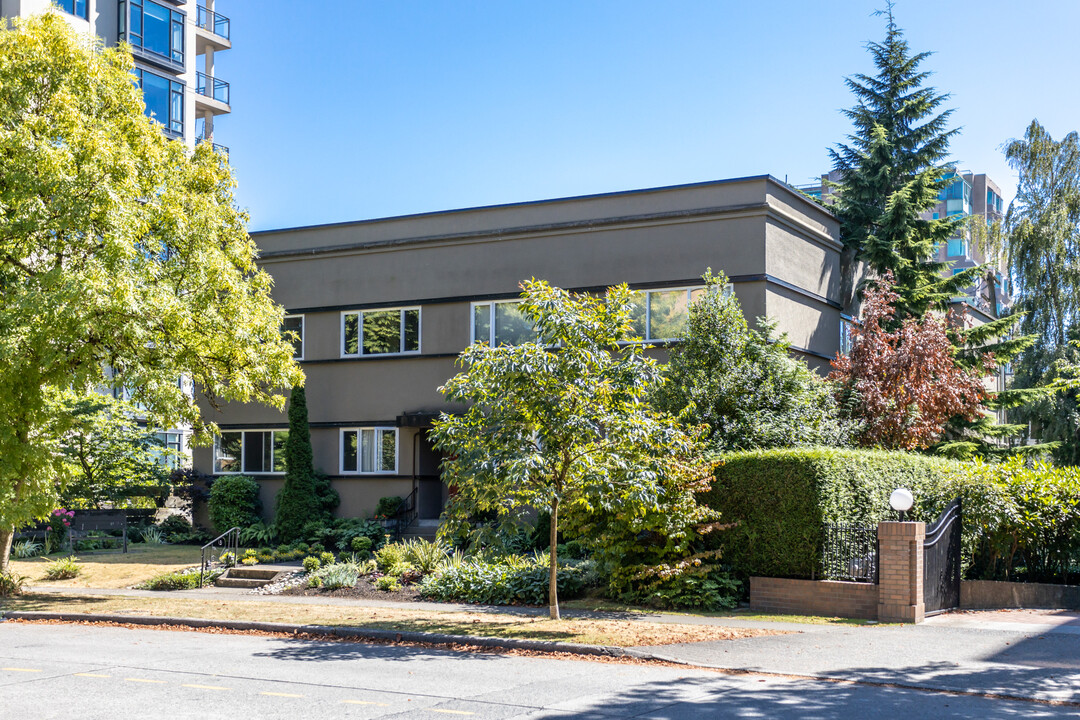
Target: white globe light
[(901, 499)]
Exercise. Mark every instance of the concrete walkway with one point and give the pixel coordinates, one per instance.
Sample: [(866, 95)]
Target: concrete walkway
[(1023, 654)]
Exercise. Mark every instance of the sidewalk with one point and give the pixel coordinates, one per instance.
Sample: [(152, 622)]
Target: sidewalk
[(1024, 654)]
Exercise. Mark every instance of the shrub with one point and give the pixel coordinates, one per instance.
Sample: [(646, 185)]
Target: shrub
[(387, 507), (228, 559), (326, 558), (1021, 520), (388, 583), (153, 536), (361, 544), (311, 564), (234, 502), (513, 580), (179, 580), (425, 556), (63, 569), (258, 533), (11, 584), (779, 500), (709, 591), (389, 555), (298, 503), (26, 549), (338, 576), (249, 560)]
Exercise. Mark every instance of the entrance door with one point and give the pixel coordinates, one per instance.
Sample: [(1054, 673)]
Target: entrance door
[(941, 561), (431, 492)]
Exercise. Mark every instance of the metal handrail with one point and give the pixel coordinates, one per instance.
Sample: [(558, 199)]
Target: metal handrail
[(230, 540), (214, 22), (211, 87), (405, 514)]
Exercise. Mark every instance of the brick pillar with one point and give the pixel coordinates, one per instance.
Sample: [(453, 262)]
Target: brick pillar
[(900, 572)]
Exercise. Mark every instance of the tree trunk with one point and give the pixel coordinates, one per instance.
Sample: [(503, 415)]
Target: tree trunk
[(553, 571), (7, 534)]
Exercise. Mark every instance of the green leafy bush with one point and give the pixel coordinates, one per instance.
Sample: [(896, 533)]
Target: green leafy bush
[(424, 555), (389, 555), (311, 564), (1021, 520), (234, 502), (338, 576), (179, 580), (326, 558), (63, 569), (512, 581), (11, 584), (153, 536), (388, 583), (387, 507), (710, 591), (258, 533), (780, 499), (26, 549)]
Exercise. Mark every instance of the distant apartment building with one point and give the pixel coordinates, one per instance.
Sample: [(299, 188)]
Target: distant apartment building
[(173, 44), (382, 309)]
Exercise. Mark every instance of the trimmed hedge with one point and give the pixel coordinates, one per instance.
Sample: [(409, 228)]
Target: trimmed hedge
[(781, 498)]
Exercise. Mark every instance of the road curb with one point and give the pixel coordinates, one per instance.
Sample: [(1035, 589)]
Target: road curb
[(359, 633)]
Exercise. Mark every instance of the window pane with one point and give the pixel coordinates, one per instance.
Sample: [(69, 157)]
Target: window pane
[(352, 325), (295, 325), (256, 452), (227, 452), (348, 462), (412, 331), (280, 438), (637, 315), (136, 23), (382, 332), (156, 94), (177, 38), (176, 118), (367, 451), (511, 327), (157, 21), (667, 314), (482, 323), (388, 451)]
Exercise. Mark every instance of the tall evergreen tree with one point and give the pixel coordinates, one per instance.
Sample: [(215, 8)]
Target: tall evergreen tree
[(297, 503), (892, 172)]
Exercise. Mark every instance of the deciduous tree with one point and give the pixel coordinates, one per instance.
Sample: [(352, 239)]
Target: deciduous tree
[(118, 248), (564, 424), (904, 384)]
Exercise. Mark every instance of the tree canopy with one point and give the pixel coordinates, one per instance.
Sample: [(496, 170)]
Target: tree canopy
[(563, 424), (892, 172), (119, 248), (743, 385)]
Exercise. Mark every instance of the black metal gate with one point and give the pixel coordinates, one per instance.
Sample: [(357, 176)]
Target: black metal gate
[(941, 561)]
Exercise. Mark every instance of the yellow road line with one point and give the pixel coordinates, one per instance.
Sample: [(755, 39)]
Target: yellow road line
[(452, 712), (362, 702), (91, 675), (206, 687), (144, 680), (19, 670), (274, 694)]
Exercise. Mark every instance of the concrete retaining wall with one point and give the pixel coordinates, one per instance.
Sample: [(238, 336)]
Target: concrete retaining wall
[(990, 594)]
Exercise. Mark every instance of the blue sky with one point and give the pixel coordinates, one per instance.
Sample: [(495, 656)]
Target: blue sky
[(357, 109)]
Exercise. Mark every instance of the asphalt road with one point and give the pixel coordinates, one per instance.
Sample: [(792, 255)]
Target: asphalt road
[(66, 671)]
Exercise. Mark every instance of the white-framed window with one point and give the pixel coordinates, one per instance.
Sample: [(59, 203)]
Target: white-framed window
[(662, 314), (251, 452), (295, 324), (395, 331), (847, 337), (501, 322), (174, 442), (369, 450)]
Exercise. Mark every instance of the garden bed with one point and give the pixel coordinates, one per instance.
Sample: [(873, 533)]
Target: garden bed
[(363, 589)]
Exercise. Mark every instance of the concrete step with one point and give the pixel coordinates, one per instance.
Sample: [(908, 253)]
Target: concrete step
[(253, 573), (229, 582)]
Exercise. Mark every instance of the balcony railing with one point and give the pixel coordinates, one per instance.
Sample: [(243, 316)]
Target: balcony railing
[(212, 22), (211, 87), (217, 148)]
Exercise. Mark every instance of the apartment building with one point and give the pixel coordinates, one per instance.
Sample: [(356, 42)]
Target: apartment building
[(174, 44), (382, 308)]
